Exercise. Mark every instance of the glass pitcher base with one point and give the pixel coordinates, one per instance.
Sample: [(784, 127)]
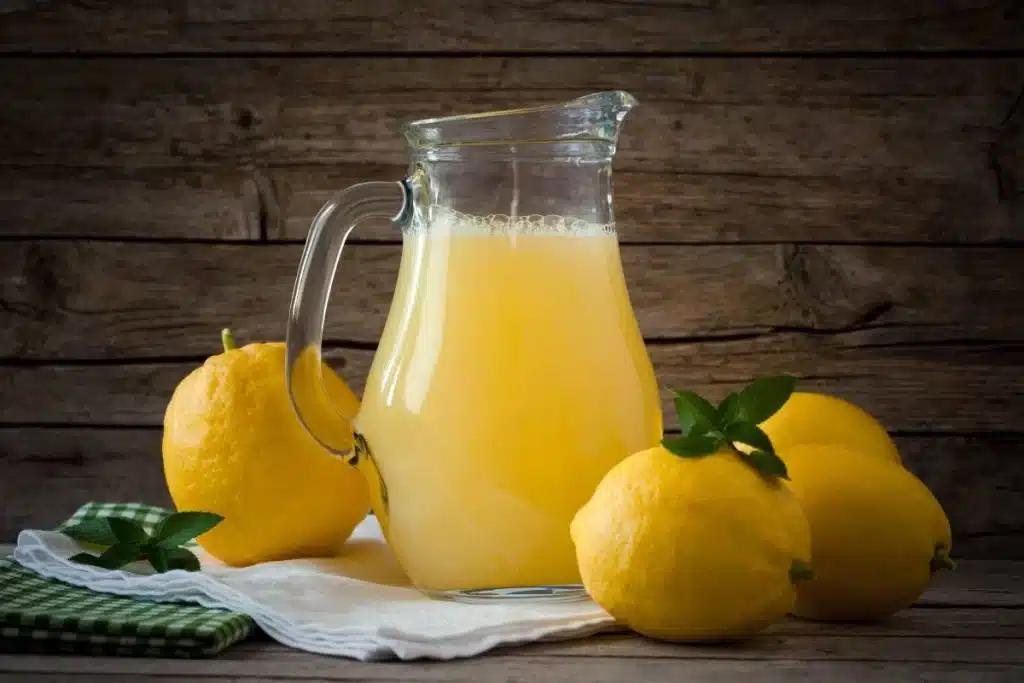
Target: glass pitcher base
[(547, 594)]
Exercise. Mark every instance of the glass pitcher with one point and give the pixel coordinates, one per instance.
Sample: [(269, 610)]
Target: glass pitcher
[(511, 374)]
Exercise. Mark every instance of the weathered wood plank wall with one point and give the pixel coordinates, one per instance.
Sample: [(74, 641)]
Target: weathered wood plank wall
[(830, 189)]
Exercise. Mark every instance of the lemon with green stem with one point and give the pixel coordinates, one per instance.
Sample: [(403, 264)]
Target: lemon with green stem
[(233, 446), (696, 540)]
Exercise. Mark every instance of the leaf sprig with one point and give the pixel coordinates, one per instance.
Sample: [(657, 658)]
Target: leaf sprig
[(707, 428), (126, 541)]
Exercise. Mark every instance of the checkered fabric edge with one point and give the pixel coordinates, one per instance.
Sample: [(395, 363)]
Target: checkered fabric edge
[(38, 614)]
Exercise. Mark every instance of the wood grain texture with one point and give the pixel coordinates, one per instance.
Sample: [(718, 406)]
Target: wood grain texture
[(681, 207), (221, 204), (927, 621), (753, 149), (50, 471), (519, 25), (907, 386), (92, 299), (912, 123), (804, 648), (239, 203), (502, 670)]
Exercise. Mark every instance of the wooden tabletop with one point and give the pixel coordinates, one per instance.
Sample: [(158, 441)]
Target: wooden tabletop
[(969, 627)]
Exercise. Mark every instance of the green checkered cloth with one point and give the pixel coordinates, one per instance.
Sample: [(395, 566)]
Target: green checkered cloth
[(44, 615)]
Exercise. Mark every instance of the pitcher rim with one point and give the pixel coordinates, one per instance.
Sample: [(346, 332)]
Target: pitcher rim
[(612, 104)]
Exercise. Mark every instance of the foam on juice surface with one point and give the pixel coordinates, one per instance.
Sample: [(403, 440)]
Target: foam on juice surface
[(440, 220)]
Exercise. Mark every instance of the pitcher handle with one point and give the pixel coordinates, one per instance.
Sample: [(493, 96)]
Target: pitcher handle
[(304, 369)]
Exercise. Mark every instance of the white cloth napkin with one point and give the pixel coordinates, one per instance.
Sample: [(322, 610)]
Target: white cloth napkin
[(358, 605)]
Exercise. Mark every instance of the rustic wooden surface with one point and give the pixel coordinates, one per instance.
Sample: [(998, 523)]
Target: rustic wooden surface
[(924, 117), (917, 386), (97, 299), (917, 150), (232, 203), (968, 627), (666, 26), (821, 188)]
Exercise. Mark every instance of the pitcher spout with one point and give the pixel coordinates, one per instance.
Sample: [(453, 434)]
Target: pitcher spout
[(609, 110), (593, 118)]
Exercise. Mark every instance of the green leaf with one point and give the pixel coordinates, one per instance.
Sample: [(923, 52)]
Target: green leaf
[(768, 464), (763, 397), (86, 558), (127, 531), (800, 571), (121, 554), (114, 557), (166, 559), (729, 410), (750, 434), (182, 527), (692, 446), (693, 411), (157, 557), (95, 530), (182, 558)]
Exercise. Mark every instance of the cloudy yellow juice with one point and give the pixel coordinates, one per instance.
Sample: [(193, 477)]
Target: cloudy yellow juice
[(510, 376)]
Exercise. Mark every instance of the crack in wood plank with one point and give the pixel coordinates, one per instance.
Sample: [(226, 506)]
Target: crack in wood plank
[(108, 302), (1006, 156)]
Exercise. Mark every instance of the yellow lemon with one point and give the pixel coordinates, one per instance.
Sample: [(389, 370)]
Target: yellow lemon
[(877, 532), (820, 418), (691, 549), (233, 445)]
